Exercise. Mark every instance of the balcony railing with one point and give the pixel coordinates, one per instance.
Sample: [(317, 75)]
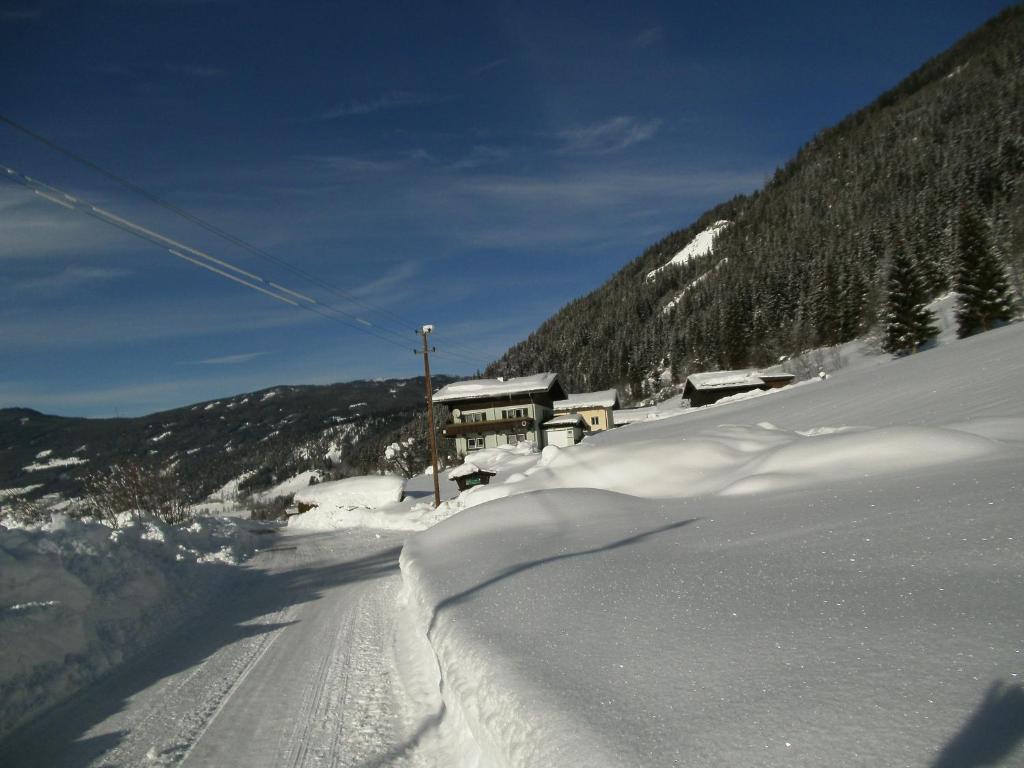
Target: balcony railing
[(495, 425)]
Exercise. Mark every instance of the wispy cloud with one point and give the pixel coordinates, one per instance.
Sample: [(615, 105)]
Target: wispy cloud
[(230, 359), (512, 212), (371, 164), (481, 155), (197, 71), (396, 278), (388, 100), (485, 68), (31, 227), (648, 37), (607, 136), (134, 319), (67, 279), (20, 14)]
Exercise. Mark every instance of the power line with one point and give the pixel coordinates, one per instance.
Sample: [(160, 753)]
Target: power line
[(476, 354), (200, 258)]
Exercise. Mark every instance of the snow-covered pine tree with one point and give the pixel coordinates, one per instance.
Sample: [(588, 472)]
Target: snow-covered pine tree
[(985, 296), (907, 322)]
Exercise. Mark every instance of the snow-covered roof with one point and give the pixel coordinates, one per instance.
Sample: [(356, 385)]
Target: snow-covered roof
[(606, 398), (723, 379), (726, 379), (481, 389), (565, 420), (468, 468)]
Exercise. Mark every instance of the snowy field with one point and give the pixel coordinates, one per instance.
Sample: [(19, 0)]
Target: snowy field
[(827, 575)]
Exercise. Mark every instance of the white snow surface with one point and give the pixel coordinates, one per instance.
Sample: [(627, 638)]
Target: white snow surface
[(10, 493), (53, 463), (701, 245), (603, 399), (369, 491), (289, 486), (464, 469), (827, 576), (720, 379), (77, 598), (486, 388)]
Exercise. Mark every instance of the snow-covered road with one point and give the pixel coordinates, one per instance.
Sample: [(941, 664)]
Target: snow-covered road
[(291, 666)]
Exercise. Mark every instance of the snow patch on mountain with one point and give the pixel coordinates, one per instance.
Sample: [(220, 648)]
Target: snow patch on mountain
[(701, 245)]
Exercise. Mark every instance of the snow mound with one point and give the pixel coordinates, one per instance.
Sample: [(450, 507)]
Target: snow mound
[(464, 469), (744, 459), (394, 517), (370, 491), (76, 598), (290, 486)]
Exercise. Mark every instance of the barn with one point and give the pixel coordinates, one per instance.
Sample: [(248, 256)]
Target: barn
[(711, 386)]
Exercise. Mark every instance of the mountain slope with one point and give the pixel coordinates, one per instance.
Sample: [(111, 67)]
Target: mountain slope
[(271, 433), (802, 261)]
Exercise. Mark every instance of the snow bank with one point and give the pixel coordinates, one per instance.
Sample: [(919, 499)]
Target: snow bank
[(76, 598), (834, 579), (292, 485), (357, 502), (369, 491), (394, 517), (743, 459)]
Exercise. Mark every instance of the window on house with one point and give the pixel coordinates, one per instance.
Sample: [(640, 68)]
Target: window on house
[(595, 421), (479, 416), (474, 443), (513, 413)]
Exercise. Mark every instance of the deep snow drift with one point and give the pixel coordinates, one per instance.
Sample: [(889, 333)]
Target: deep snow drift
[(829, 575), (77, 598)]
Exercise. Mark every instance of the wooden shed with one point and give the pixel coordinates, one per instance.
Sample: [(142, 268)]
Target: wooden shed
[(711, 386)]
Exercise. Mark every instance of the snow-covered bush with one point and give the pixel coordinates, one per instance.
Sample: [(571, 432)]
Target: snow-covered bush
[(134, 490)]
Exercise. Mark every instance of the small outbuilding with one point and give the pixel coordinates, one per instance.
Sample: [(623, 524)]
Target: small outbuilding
[(596, 408), (468, 475), (565, 430), (711, 386)]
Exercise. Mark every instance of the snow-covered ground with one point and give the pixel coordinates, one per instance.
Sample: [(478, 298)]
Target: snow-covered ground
[(77, 598), (292, 664), (827, 575)]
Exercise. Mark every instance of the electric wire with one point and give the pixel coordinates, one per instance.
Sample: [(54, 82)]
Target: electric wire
[(71, 202), (475, 354)]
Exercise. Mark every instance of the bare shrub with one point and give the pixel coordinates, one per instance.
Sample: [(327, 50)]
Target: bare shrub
[(25, 511), (136, 490), (270, 509)]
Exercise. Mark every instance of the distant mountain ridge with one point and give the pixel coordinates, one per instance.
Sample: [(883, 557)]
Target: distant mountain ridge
[(270, 433), (802, 262)]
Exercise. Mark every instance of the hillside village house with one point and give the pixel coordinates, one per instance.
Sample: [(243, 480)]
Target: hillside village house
[(711, 386), (596, 408), (486, 413)]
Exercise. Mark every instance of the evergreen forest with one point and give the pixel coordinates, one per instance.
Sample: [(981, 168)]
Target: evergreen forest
[(807, 261)]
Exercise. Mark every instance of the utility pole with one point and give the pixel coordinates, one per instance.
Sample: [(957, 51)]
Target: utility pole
[(424, 332)]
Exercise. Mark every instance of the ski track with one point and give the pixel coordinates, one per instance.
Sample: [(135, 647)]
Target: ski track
[(304, 676)]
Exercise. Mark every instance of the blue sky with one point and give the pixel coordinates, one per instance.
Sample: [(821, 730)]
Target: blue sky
[(471, 165)]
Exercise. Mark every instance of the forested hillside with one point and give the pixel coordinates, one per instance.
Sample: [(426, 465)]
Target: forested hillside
[(269, 435), (804, 262)]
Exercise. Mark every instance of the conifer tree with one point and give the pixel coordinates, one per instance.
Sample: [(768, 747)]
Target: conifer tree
[(985, 297), (908, 323)]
